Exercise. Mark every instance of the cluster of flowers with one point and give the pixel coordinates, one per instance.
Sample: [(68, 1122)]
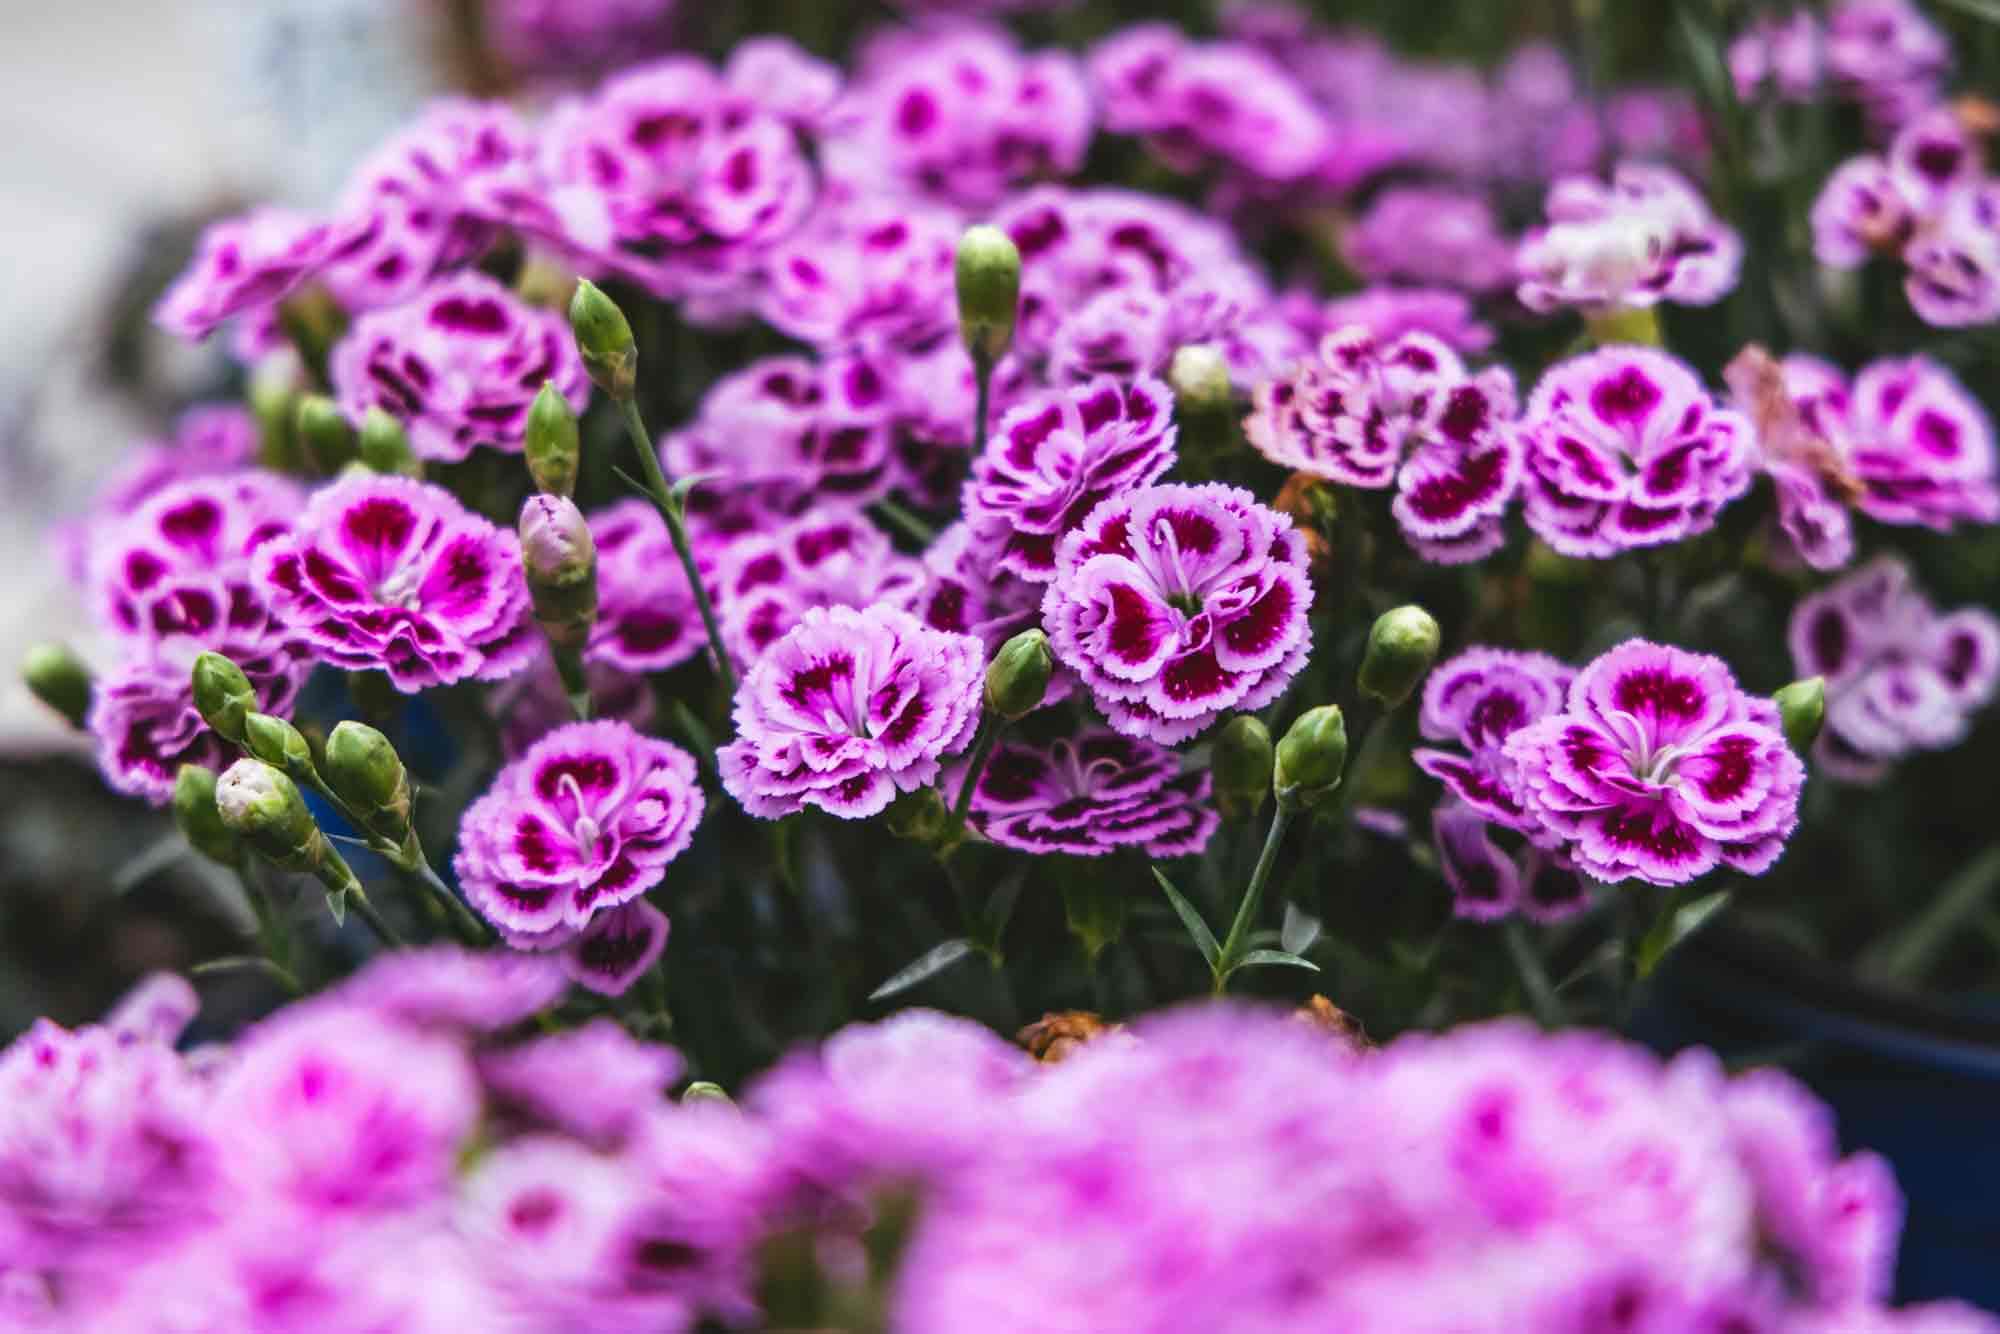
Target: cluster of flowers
[(1884, 54), (391, 1156)]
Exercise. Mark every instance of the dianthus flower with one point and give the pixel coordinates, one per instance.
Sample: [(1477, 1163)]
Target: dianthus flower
[(1054, 460), (1954, 278), (1659, 768), (1488, 884), (1626, 449), (824, 558), (1875, 203), (793, 429), (849, 708), (647, 618), (966, 594), (616, 948), (1391, 312), (243, 265), (1647, 237), (1430, 234), (143, 717), (1478, 699), (1884, 54), (596, 1081), (389, 574), (876, 269), (1092, 794), (958, 114), (473, 991), (1364, 414), (1175, 604), (460, 365), (586, 820), (1899, 674)]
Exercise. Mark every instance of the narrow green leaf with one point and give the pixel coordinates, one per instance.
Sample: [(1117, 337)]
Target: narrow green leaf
[(1204, 939), (1300, 930), (1989, 10), (632, 482), (247, 963), (336, 903), (1269, 957), (1000, 908), (1674, 926), (149, 862), (934, 961)]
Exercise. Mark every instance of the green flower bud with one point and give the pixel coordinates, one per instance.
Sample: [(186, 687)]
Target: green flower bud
[(920, 815), (222, 695), (989, 291), (1018, 676), (199, 820), (274, 402), (1401, 648), (263, 808), (1239, 764), (385, 447), (1311, 758), (560, 562), (324, 435), (552, 445), (364, 771), (1200, 379), (276, 742), (1802, 708), (604, 338), (58, 678), (703, 1091)]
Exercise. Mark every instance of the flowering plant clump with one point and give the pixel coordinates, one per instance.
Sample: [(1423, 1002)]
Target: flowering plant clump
[(749, 566)]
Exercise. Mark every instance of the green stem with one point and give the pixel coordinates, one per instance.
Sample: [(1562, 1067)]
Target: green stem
[(899, 517), (1246, 912), (982, 750), (1542, 997), (982, 375), (569, 666), (366, 912), (670, 510), (470, 928)]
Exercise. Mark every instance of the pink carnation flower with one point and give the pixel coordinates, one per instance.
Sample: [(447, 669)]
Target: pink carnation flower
[(1175, 604), (1478, 699), (792, 429), (207, 439), (1626, 449), (877, 269), (1900, 675), (1431, 235), (968, 595), (459, 365), (596, 1081), (1053, 461), (586, 820), (463, 990), (1954, 278), (243, 265), (1092, 794), (849, 708), (1660, 768), (1647, 237), (389, 574), (1487, 883), (647, 618), (616, 948), (825, 558)]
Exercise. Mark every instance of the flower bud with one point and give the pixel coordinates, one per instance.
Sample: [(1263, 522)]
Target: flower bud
[(1018, 676), (1802, 708), (604, 339), (364, 771), (222, 695), (263, 808), (989, 291), (199, 820), (920, 815), (58, 678), (324, 435), (385, 447), (1401, 648), (1200, 379), (706, 1092), (1311, 757), (552, 445), (1240, 764), (560, 562), (276, 742), (274, 402)]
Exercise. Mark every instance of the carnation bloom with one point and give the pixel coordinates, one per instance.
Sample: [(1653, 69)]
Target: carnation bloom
[(1626, 449), (1092, 794), (1478, 699), (472, 991), (244, 265), (389, 574), (824, 558), (616, 948), (878, 270), (1899, 674), (1659, 768), (647, 617), (1175, 604), (793, 429), (1954, 278), (849, 708), (1390, 312), (1884, 54), (1647, 237), (966, 594), (1054, 460), (565, 36), (459, 365), (1487, 883), (596, 1081), (587, 819), (1431, 235)]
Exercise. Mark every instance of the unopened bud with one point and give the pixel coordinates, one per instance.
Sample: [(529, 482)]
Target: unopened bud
[(324, 435), (276, 742), (385, 446), (1018, 676), (552, 445), (1802, 708), (274, 402), (1402, 645), (1311, 758), (58, 678), (199, 820), (706, 1093), (1200, 379), (222, 695), (364, 771), (604, 338), (263, 807), (560, 562), (989, 291), (1239, 764), (920, 815)]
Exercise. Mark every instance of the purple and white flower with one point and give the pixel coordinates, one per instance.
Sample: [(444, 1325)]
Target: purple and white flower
[(647, 617), (793, 429), (616, 948), (1433, 236), (1487, 883), (824, 558), (1090, 795), (1478, 699), (1648, 237)]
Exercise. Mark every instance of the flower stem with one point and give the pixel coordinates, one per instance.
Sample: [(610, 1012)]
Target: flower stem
[(1246, 912), (982, 750), (982, 377), (569, 666), (1542, 997), (671, 510), (366, 912), (474, 931)]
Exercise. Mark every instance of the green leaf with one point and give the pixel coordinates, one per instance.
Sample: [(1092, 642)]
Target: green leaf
[(1989, 10), (1204, 939), (336, 903), (934, 961), (1269, 957), (1000, 908), (149, 862), (247, 963), (632, 482), (1680, 921), (1300, 930)]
